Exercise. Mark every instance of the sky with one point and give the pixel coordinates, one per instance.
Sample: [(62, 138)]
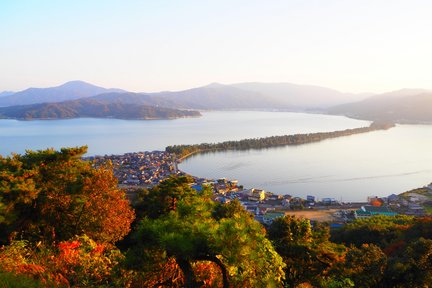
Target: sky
[(145, 46)]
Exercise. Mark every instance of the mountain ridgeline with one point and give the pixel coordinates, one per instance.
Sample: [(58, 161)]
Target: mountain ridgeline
[(183, 151), (251, 95), (88, 108), (404, 106), (283, 96), (69, 91)]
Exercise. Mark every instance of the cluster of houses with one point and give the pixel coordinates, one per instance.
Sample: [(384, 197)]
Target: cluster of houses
[(145, 169), (409, 203), (140, 168), (265, 206)]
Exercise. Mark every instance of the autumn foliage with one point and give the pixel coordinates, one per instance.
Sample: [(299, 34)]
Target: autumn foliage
[(80, 262), (52, 196)]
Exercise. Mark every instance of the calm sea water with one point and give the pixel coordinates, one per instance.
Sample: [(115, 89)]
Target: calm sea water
[(111, 136), (351, 168), (348, 168)]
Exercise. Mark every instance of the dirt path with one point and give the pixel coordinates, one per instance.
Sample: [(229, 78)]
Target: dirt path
[(316, 215)]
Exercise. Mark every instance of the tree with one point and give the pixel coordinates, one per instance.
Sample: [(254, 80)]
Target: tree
[(308, 254), (379, 230), (187, 226), (412, 267), (365, 265), (54, 195)]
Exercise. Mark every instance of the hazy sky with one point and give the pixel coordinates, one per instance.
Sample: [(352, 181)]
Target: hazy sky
[(349, 45)]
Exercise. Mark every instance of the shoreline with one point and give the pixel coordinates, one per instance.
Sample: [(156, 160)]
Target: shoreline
[(272, 141)]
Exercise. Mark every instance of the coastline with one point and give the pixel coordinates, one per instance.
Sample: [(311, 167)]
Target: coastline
[(182, 152)]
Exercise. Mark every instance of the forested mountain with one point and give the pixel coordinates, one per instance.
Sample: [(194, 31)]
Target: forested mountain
[(69, 91), (403, 106), (93, 109)]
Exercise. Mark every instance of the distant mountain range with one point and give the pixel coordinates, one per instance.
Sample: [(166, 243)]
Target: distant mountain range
[(301, 97), (402, 106), (214, 96), (284, 96), (69, 100), (69, 91)]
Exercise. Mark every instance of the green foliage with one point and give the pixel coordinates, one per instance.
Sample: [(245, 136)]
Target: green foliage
[(189, 227), (307, 253), (365, 265), (337, 283), (412, 267), (378, 230), (11, 280)]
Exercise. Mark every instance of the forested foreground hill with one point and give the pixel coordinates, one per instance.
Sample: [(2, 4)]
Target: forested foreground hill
[(64, 223), (92, 109)]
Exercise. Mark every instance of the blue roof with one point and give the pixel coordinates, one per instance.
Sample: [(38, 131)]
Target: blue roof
[(197, 187)]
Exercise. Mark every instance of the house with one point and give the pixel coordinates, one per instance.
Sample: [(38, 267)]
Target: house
[(371, 199), (223, 200), (393, 198), (197, 187), (286, 203), (369, 211), (329, 201), (255, 194)]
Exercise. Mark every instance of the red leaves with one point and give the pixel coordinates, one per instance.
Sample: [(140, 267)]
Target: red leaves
[(65, 246)]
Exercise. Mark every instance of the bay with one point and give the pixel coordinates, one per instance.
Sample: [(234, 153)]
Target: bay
[(113, 136), (348, 168)]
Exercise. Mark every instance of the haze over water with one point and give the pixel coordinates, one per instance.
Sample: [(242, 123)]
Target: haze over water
[(347, 168), (112, 136)]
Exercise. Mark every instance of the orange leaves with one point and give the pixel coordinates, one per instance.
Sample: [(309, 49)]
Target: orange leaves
[(65, 246), (78, 262)]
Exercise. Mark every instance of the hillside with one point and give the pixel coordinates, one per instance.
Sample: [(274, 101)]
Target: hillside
[(217, 96), (403, 106), (211, 97), (91, 109), (301, 96), (283, 96), (69, 91)]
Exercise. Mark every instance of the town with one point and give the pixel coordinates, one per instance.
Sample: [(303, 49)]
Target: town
[(147, 169)]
